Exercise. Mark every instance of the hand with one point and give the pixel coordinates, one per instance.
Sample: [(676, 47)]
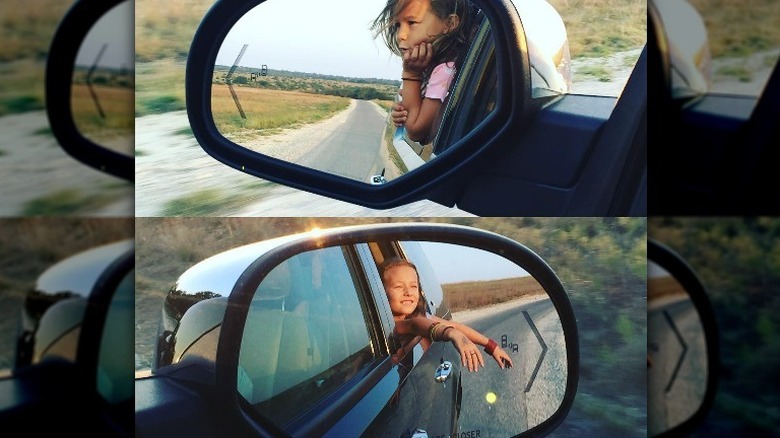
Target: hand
[(502, 358), (470, 355), (398, 113), (417, 58)]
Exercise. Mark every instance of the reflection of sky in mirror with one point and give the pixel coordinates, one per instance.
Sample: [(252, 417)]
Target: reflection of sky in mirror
[(115, 29), (455, 263), (330, 38)]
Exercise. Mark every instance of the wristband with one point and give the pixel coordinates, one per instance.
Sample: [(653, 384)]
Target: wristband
[(411, 79), (490, 347)]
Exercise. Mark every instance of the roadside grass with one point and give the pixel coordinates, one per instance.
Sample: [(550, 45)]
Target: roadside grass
[(159, 87), (270, 109), (45, 131), (597, 71), (65, 202), (462, 296), (117, 105), (599, 28), (209, 202)]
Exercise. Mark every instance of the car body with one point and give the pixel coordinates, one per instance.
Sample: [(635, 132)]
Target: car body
[(74, 347), (511, 149), (257, 340)]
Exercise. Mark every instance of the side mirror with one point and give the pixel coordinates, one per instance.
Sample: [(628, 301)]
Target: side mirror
[(90, 85), (684, 47), (314, 113), (297, 335), (74, 352), (682, 351)]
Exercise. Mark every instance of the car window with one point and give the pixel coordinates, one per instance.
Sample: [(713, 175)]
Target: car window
[(115, 370), (305, 334), (474, 92)]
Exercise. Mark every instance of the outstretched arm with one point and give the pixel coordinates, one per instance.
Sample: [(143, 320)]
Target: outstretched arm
[(499, 355), (464, 338)]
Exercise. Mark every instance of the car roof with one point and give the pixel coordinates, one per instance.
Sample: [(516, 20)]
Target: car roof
[(79, 272)]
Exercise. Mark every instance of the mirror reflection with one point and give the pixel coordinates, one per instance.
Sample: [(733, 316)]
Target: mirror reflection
[(677, 365), (102, 95), (322, 319), (324, 98)]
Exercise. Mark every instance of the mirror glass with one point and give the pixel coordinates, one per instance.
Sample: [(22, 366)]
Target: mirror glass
[(317, 90), (321, 320), (102, 95), (677, 364)]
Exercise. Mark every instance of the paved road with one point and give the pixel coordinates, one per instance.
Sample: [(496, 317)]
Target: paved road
[(351, 150), (525, 396), (677, 378)]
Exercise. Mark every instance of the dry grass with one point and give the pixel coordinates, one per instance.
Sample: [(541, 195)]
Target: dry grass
[(475, 294), (660, 287), (118, 105), (270, 109), (598, 28), (740, 27)]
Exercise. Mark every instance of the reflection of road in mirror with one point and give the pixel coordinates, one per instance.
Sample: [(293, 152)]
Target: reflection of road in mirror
[(494, 400), (345, 144), (677, 350)]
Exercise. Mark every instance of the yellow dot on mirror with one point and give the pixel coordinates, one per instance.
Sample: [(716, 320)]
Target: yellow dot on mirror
[(491, 397)]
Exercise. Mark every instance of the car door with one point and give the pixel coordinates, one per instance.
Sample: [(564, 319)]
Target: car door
[(509, 151)]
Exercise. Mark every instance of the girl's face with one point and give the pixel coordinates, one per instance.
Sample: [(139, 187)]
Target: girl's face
[(402, 290), (417, 23)]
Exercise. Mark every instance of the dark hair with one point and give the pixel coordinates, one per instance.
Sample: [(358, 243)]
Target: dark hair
[(395, 262), (449, 47)]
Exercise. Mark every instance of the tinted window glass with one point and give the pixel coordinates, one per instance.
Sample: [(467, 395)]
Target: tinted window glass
[(115, 364), (305, 335)]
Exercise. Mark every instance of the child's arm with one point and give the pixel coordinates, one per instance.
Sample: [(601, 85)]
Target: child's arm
[(464, 338), (420, 113), (498, 354)]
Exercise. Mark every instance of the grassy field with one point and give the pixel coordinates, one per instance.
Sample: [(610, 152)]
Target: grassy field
[(269, 110), (462, 296), (116, 104)]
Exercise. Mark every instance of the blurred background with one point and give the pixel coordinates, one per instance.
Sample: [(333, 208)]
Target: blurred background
[(39, 178), (738, 260)]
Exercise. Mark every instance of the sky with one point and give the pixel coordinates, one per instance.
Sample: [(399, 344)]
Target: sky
[(331, 38), (115, 29), (455, 263)]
